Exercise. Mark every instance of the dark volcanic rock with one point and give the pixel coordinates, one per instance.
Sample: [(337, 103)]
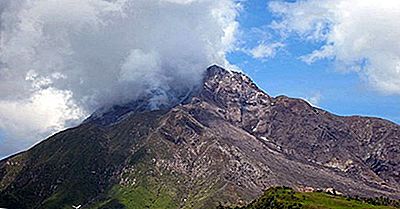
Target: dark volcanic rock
[(227, 141)]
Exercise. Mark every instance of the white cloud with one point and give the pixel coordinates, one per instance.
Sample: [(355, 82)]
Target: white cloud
[(314, 99), (360, 35), (26, 121), (72, 56), (264, 51)]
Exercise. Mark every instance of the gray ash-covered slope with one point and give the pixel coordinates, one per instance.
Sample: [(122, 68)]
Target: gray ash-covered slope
[(226, 142)]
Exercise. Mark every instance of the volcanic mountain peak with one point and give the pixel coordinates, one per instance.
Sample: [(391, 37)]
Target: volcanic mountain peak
[(224, 142), (215, 80)]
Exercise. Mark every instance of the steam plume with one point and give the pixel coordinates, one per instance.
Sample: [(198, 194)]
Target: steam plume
[(62, 59)]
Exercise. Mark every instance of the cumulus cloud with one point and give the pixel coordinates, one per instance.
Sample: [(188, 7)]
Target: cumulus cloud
[(62, 59), (360, 35), (264, 51), (27, 120)]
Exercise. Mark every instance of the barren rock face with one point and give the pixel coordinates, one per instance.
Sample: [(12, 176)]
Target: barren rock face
[(225, 142)]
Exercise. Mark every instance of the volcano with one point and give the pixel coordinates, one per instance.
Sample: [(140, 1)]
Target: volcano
[(224, 142)]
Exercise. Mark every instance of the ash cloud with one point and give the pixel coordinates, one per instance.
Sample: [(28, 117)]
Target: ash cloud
[(62, 59)]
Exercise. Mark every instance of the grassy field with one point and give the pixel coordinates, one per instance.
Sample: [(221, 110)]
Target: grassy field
[(286, 198), (274, 198)]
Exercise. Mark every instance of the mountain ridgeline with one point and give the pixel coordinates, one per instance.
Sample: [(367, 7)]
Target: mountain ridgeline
[(224, 143)]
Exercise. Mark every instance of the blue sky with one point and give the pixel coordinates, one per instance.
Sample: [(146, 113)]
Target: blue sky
[(342, 93)]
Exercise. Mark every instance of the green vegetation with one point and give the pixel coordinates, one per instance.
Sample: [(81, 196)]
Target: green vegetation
[(137, 197), (140, 197), (286, 198), (148, 190)]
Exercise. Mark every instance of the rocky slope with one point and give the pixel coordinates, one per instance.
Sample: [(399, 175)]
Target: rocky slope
[(225, 142)]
